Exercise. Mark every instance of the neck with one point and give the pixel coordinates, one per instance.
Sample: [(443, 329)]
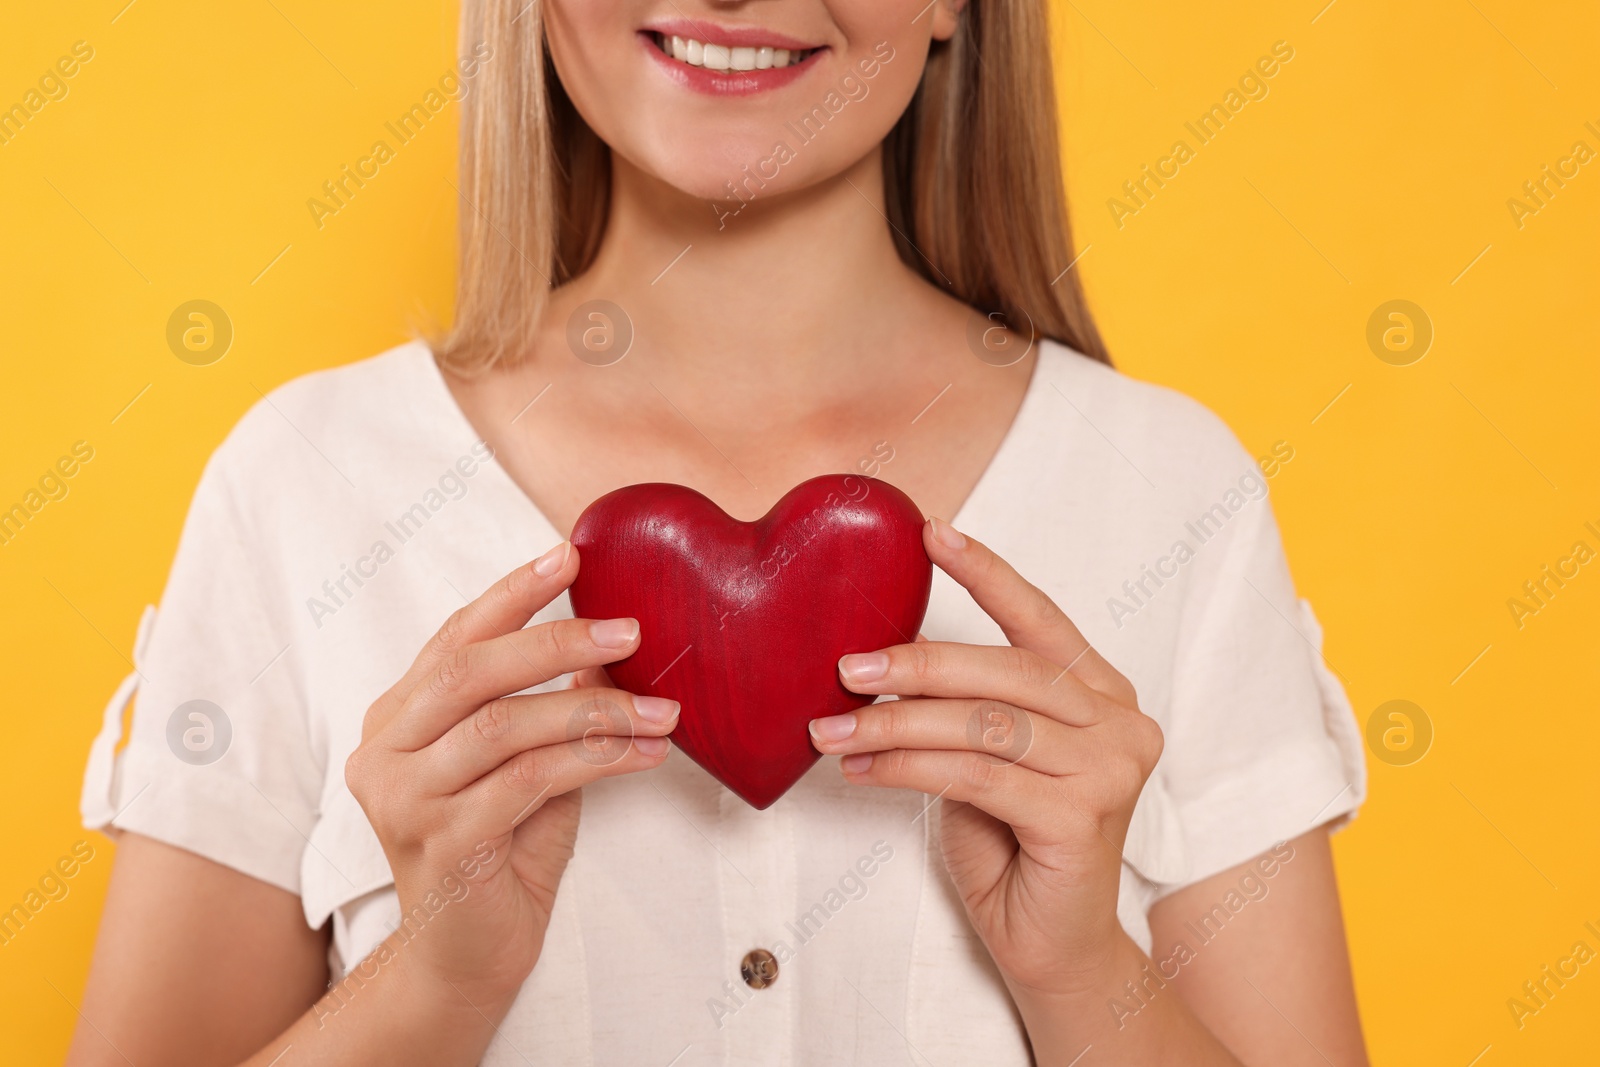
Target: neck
[(804, 286)]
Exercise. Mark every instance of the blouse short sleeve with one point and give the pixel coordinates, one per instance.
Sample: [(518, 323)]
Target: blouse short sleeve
[(1261, 741), (218, 759)]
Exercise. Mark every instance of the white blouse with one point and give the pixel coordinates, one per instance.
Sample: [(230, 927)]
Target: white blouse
[(351, 511)]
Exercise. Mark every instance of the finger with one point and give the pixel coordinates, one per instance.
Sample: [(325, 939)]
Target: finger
[(475, 674), (517, 788), (1027, 616), (504, 607), (994, 728), (998, 672), (501, 728), (589, 678), (1024, 799)]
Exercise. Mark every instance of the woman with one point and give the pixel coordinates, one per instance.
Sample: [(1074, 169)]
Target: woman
[(732, 246)]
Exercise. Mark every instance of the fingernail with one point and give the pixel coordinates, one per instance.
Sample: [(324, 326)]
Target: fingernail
[(947, 535), (551, 561), (834, 727), (651, 746), (855, 763), (614, 633), (864, 666), (656, 709)]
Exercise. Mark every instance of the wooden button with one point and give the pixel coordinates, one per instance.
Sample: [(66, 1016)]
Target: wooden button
[(759, 968)]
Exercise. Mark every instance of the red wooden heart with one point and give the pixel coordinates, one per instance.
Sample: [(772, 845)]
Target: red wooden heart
[(743, 623)]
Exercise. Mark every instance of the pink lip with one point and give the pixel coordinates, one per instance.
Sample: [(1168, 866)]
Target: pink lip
[(730, 36), (731, 83)]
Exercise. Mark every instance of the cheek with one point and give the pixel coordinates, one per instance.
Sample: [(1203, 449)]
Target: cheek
[(583, 39), (592, 47), (868, 107)]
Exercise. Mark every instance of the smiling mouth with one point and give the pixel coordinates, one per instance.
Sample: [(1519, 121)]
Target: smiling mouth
[(722, 59)]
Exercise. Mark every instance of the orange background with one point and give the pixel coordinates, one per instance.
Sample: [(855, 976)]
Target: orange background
[(1420, 499)]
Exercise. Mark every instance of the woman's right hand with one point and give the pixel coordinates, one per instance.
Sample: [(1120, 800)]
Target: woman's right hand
[(474, 793)]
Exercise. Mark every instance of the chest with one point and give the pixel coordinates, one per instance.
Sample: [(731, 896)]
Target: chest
[(571, 441)]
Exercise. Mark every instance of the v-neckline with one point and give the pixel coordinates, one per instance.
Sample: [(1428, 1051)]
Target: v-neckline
[(456, 419)]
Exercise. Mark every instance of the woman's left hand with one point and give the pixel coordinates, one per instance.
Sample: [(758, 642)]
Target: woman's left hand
[(1039, 751)]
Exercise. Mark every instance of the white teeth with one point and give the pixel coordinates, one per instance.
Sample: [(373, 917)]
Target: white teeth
[(724, 58)]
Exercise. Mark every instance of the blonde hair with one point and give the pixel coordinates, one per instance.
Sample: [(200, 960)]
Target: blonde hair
[(972, 182)]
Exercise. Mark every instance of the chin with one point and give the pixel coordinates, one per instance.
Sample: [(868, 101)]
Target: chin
[(728, 171)]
